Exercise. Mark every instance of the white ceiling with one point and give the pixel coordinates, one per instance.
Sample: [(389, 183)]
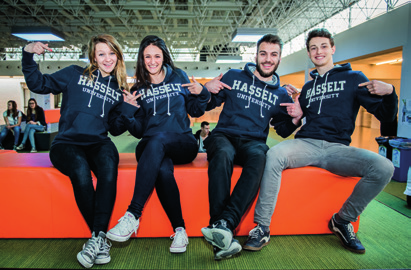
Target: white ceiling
[(204, 27)]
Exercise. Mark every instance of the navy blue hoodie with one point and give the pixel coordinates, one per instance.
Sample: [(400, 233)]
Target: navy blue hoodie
[(88, 108), (251, 105), (331, 102), (164, 106)]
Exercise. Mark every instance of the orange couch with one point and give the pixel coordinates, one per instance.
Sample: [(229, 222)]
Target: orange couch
[(37, 201)]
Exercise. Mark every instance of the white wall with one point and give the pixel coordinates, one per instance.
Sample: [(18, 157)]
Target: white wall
[(10, 89)]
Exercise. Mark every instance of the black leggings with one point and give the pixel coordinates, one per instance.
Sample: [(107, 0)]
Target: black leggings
[(77, 162), (156, 157)]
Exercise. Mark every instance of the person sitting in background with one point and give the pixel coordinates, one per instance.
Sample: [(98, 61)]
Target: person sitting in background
[(12, 118), (201, 135), (36, 121)]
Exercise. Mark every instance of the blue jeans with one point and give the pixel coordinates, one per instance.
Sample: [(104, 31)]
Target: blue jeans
[(17, 131), (156, 156), (29, 132), (77, 162), (375, 172)]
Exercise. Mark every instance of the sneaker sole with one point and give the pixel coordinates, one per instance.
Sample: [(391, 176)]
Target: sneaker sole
[(102, 260), (358, 251), (225, 254), (118, 238), (178, 250), (218, 237), (83, 262), (250, 248)]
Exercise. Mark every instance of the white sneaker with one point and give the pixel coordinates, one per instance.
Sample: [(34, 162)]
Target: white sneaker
[(87, 256), (20, 147), (124, 229), (180, 241), (103, 253), (33, 150)]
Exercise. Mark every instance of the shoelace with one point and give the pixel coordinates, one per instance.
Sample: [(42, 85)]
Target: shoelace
[(128, 223), (351, 232), (178, 238), (91, 247), (254, 233), (104, 244)]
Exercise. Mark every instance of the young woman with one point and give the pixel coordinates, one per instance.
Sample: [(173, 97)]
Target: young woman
[(162, 122), (36, 121), (92, 100), (12, 119)]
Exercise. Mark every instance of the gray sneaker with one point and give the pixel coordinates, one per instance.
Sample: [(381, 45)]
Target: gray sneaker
[(103, 254), (234, 248), (87, 256), (218, 234)]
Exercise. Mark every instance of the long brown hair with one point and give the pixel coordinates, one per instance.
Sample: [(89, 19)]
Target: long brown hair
[(142, 75), (120, 68), (13, 108), (37, 109)]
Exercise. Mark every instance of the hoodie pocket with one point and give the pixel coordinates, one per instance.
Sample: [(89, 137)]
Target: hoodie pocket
[(87, 127)]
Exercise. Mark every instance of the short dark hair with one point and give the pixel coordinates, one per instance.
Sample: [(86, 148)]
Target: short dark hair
[(204, 123), (319, 32), (270, 38)]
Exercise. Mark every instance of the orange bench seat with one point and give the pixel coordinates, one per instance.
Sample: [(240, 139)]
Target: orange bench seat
[(38, 201)]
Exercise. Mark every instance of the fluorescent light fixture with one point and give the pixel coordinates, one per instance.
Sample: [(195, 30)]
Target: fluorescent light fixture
[(395, 61), (227, 59), (251, 34), (37, 33)]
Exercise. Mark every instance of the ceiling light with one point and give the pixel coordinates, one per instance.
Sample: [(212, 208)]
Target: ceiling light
[(251, 34), (37, 33), (227, 59), (395, 61)]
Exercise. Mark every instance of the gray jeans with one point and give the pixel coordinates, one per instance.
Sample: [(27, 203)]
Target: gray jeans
[(375, 172)]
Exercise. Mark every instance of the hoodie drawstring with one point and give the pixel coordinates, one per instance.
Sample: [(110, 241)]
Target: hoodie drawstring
[(94, 85), (168, 100), (322, 96), (249, 98), (261, 107), (154, 97), (105, 95)]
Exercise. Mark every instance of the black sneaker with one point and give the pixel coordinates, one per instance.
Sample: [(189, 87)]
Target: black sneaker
[(218, 234), (234, 248), (257, 239), (346, 234)]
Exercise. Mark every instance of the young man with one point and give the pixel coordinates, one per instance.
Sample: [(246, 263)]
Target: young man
[(330, 103), (201, 135), (240, 138)]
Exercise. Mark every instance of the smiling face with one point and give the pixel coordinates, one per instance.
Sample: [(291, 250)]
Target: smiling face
[(106, 59), (320, 52), (268, 58), (153, 59), (9, 106)]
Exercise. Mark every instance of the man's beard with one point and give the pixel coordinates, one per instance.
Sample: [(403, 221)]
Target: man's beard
[(264, 74)]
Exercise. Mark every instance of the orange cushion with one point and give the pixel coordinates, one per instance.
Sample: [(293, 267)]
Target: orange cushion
[(33, 190)]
